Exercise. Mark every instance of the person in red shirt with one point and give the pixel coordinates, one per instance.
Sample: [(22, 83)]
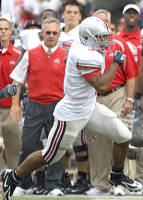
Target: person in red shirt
[(118, 97), (131, 32), (43, 68), (11, 133)]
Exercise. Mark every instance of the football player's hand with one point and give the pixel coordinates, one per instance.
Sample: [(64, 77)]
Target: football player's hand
[(10, 90), (119, 57)]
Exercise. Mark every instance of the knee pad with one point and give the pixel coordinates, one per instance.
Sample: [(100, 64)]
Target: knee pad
[(81, 152)]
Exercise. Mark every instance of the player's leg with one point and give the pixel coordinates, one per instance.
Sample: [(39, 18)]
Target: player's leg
[(61, 137), (105, 122)]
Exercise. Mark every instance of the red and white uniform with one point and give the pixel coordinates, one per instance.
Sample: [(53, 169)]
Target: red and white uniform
[(134, 42), (8, 60), (79, 100), (127, 70), (78, 109), (66, 39)]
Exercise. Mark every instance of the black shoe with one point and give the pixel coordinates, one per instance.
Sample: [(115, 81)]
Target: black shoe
[(120, 179), (8, 184), (80, 187), (40, 190)]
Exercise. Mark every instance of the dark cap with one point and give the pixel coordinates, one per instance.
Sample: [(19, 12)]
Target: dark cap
[(32, 23)]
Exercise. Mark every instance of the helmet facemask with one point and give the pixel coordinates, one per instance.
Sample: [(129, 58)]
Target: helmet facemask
[(95, 33), (101, 42)]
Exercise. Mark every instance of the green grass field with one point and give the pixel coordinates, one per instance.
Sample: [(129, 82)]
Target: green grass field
[(76, 198)]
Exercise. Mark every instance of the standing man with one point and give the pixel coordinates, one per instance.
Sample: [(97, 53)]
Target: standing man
[(132, 35), (131, 32), (43, 67), (72, 15), (11, 132), (78, 109), (118, 97)]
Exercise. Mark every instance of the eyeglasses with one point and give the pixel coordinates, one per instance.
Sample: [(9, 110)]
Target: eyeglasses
[(52, 32)]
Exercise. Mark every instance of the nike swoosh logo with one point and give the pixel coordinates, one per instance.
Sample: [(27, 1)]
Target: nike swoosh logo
[(74, 190), (5, 182)]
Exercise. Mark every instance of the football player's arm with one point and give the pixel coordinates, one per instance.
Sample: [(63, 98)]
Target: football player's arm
[(102, 82)]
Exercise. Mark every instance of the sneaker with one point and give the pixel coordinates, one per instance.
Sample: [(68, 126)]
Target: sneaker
[(21, 192), (8, 185), (95, 191), (117, 190), (80, 187), (55, 192), (120, 179), (40, 190)]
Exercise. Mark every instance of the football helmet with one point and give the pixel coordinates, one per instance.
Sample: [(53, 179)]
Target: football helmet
[(95, 33)]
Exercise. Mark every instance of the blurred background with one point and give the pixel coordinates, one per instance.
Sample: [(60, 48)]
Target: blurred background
[(114, 6)]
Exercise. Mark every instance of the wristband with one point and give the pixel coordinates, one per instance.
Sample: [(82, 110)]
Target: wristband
[(130, 99)]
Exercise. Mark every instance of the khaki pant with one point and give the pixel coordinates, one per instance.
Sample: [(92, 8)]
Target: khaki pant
[(11, 133), (100, 148)]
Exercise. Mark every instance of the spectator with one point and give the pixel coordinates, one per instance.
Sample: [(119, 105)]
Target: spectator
[(11, 132), (71, 14), (43, 100), (131, 32), (132, 35)]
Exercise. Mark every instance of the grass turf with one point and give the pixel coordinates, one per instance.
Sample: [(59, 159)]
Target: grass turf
[(76, 198)]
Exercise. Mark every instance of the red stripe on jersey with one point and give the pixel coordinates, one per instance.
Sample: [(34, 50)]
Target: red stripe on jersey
[(66, 45), (92, 74), (86, 67)]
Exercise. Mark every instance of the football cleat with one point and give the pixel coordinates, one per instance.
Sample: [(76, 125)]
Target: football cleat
[(8, 186), (120, 179)]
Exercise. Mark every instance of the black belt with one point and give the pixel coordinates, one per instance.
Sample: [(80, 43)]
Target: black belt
[(110, 91)]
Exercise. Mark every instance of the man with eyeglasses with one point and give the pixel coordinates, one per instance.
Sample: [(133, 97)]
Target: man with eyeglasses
[(43, 67)]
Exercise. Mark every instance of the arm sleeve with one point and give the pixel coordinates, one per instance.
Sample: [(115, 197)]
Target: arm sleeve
[(131, 68), (19, 74), (91, 64)]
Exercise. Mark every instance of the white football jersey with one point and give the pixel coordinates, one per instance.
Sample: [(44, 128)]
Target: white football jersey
[(79, 100), (66, 39)]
